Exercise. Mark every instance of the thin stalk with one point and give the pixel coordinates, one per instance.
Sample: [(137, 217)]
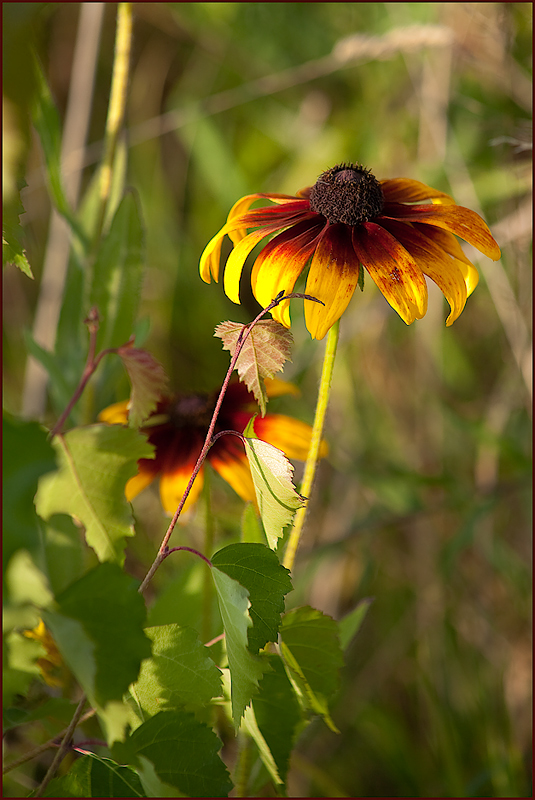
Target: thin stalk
[(315, 442), (208, 584), (64, 746)]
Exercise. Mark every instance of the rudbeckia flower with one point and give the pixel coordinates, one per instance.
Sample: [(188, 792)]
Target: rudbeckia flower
[(178, 428), (399, 230)]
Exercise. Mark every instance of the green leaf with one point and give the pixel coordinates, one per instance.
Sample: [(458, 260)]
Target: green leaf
[(272, 476), (47, 123), (258, 569), (63, 551), (92, 776), (251, 526), (12, 250), (98, 628), (179, 673), (349, 625), (245, 668), (148, 380), (95, 463), (277, 714), (184, 753), (267, 347), (117, 275), (27, 455), (310, 647)]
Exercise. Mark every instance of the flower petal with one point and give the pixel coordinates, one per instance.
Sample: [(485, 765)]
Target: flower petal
[(116, 414), (237, 259), (459, 220), (405, 190), (275, 387), (173, 483), (447, 272), (147, 471), (333, 276), (393, 269), (234, 469), (288, 434), (281, 262)]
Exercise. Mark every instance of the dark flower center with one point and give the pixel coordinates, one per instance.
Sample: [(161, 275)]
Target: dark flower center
[(192, 411), (347, 193)]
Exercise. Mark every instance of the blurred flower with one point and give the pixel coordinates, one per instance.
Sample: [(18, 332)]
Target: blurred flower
[(52, 667), (347, 219), (178, 428)]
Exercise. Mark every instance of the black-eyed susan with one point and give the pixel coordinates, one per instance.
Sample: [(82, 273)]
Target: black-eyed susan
[(178, 428), (399, 230)]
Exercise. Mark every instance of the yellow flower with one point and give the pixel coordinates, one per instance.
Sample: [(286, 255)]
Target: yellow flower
[(348, 219), (52, 667), (178, 429)]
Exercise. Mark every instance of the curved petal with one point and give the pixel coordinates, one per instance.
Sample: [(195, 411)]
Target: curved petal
[(332, 278), (288, 434), (275, 387), (116, 414), (237, 259), (393, 269), (458, 220), (447, 272), (405, 190), (234, 469), (281, 262), (173, 483), (147, 472), (446, 240)]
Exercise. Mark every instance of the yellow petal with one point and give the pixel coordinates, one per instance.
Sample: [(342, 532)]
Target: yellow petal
[(173, 484), (116, 414), (332, 278), (139, 482), (234, 469), (237, 259), (288, 434), (275, 387), (405, 190)]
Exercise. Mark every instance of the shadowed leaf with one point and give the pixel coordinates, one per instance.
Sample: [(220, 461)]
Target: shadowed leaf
[(148, 380)]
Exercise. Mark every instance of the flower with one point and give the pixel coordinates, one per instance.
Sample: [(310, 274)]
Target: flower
[(178, 428), (51, 665), (348, 219)]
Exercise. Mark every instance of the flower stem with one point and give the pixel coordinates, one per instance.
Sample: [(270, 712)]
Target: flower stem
[(313, 452)]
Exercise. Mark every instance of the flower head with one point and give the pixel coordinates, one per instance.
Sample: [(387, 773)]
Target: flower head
[(178, 428), (399, 230)]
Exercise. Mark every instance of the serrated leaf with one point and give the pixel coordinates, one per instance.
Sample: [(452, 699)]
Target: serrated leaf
[(27, 455), (98, 629), (180, 672), (310, 647), (277, 714), (258, 569), (148, 381), (272, 475), (349, 625), (267, 347), (184, 753), (95, 463), (92, 776), (245, 668), (12, 250)]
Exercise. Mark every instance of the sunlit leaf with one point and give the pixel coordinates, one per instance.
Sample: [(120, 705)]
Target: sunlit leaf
[(310, 647), (92, 776), (184, 753), (179, 673), (98, 629), (95, 463), (277, 714), (266, 348), (246, 669), (13, 251), (258, 569), (148, 380), (272, 476)]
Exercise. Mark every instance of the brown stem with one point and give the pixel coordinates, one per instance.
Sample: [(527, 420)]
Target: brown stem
[(63, 747)]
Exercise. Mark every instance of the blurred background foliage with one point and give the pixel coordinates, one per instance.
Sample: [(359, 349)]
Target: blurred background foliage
[(424, 502)]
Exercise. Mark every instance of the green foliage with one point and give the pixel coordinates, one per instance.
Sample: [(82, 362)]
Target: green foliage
[(272, 477), (91, 776), (94, 465), (148, 381)]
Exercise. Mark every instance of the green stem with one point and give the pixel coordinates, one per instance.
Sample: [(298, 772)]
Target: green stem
[(317, 433)]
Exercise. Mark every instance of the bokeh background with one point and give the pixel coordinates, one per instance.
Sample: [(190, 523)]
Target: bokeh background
[(424, 502)]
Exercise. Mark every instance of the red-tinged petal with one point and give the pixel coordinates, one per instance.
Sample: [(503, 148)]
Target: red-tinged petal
[(393, 269), (281, 262), (290, 435), (147, 472), (173, 483), (116, 414), (458, 220), (445, 240), (234, 469), (405, 190), (332, 278), (448, 273)]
